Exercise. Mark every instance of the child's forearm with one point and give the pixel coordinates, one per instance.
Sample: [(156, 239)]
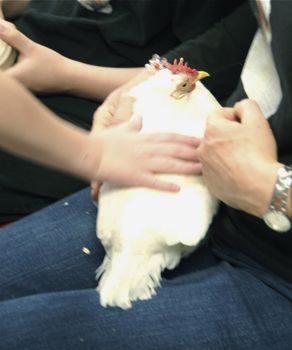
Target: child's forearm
[(94, 82), (29, 129)]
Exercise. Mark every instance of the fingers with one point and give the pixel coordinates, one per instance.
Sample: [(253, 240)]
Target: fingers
[(174, 166), (222, 117), (101, 118), (173, 138), (169, 167), (15, 38), (155, 183), (175, 150), (95, 187), (173, 156), (134, 125), (124, 108), (116, 109), (224, 113), (248, 112)]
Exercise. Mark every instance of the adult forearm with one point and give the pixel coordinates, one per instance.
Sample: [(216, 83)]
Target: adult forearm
[(93, 81), (28, 129), (13, 8)]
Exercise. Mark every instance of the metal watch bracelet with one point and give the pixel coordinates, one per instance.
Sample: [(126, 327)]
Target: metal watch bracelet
[(277, 215)]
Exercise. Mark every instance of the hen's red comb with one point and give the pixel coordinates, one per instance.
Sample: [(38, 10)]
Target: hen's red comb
[(180, 67)]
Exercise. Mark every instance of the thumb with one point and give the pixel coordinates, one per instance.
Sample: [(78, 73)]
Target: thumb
[(223, 113), (14, 71), (134, 124), (220, 118), (14, 37), (124, 108), (101, 118), (248, 112)]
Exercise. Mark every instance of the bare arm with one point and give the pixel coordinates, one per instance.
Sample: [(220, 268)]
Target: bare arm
[(13, 8), (118, 154), (43, 70), (29, 129), (94, 82)]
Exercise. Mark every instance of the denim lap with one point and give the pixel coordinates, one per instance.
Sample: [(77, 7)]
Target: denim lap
[(48, 297)]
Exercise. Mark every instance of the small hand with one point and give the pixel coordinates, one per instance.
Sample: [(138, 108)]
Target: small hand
[(37, 66), (118, 106), (134, 159), (116, 109), (239, 157)]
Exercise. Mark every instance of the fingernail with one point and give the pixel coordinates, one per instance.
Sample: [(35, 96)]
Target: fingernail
[(2, 28)]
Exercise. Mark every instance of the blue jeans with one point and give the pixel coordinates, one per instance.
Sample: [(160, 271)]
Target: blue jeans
[(215, 301)]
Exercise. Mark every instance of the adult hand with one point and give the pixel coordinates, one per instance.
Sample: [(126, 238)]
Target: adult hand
[(239, 157), (38, 67), (131, 158)]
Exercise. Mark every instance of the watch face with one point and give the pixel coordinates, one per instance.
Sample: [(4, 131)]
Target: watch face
[(277, 221)]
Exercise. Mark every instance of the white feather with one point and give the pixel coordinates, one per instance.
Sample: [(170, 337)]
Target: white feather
[(145, 231)]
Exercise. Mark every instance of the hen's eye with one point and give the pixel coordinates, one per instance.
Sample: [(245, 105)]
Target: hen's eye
[(184, 84)]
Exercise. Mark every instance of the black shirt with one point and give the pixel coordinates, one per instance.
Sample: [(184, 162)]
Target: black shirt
[(238, 230)]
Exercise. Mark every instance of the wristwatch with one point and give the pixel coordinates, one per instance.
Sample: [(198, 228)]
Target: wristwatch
[(277, 215)]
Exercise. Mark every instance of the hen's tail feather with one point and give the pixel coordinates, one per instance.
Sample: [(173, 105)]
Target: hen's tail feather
[(124, 278)]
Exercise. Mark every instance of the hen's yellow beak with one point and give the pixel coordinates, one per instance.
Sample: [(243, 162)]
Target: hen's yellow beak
[(202, 75)]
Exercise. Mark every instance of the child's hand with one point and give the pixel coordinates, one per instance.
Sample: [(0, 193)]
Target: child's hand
[(133, 159), (38, 67)]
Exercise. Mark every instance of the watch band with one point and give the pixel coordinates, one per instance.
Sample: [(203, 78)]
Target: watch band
[(277, 215)]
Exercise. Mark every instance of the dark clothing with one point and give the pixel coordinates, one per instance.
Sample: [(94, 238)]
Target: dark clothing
[(126, 38), (239, 231), (221, 50)]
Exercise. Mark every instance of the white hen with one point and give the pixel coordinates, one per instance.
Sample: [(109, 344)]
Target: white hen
[(145, 231)]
